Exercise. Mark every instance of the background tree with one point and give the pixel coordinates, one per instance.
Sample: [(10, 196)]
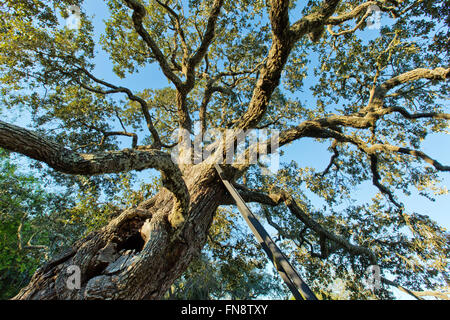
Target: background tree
[(32, 226), (236, 66)]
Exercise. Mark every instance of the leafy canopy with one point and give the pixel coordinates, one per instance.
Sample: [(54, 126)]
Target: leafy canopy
[(50, 72)]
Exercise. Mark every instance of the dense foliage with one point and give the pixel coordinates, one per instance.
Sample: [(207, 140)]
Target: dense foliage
[(371, 96)]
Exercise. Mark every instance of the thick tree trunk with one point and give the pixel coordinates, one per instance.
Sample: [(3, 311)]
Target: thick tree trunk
[(139, 254)]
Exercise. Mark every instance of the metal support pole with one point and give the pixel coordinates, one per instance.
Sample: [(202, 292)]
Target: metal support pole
[(298, 287)]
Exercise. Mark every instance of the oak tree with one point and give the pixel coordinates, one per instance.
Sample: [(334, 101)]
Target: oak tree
[(374, 96)]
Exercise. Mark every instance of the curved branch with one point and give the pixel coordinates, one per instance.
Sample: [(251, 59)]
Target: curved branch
[(436, 294), (312, 129), (332, 159), (177, 23), (313, 23), (275, 199), (327, 127), (401, 288), (378, 93), (189, 65), (419, 73), (356, 11), (347, 31), (121, 133), (270, 73), (58, 157), (415, 153), (412, 116), (144, 106), (284, 38), (208, 36), (139, 12), (321, 231), (376, 181)]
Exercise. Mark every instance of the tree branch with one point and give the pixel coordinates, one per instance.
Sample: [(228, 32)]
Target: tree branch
[(358, 24), (376, 181), (401, 288), (332, 159), (412, 116), (139, 13), (358, 10), (180, 32), (415, 153), (270, 73), (284, 38), (327, 127), (58, 157), (378, 93), (436, 294), (208, 36), (121, 133), (275, 199), (144, 106), (313, 23)]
